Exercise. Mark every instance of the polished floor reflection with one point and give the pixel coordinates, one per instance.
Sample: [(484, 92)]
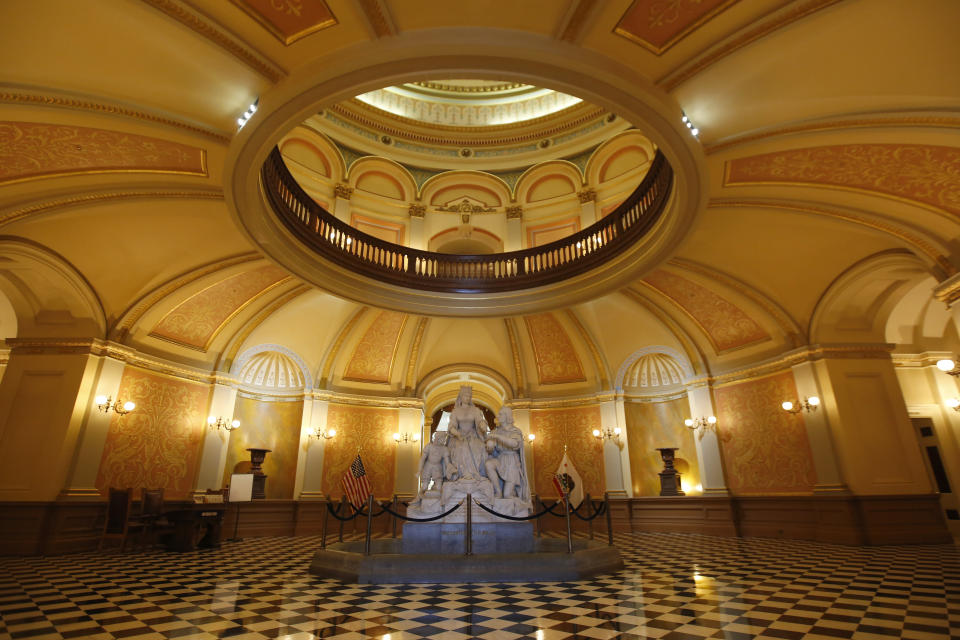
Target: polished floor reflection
[(674, 586)]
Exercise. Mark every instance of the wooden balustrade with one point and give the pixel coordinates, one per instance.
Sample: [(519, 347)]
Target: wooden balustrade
[(338, 242)]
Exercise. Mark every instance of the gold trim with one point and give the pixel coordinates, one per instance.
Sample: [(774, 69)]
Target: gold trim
[(24, 212), (383, 402), (635, 398), (515, 354), (226, 321), (828, 125), (693, 26), (674, 78), (693, 353), (823, 185), (259, 318), (538, 404), (279, 35), (92, 172), (789, 326), (15, 97), (220, 37), (393, 356), (415, 354), (134, 312), (591, 345), (536, 353), (335, 347), (922, 245), (378, 17)]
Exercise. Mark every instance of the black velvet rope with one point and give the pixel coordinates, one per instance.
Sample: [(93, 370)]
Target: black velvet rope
[(402, 517), (334, 513), (599, 511), (506, 517)]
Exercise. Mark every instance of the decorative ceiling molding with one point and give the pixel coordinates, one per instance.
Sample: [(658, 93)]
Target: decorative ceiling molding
[(924, 175), (38, 150), (289, 20), (763, 27), (859, 121), (587, 337), (378, 17), (914, 240), (44, 206), (374, 355), (228, 355), (521, 384), (334, 349), (694, 355), (119, 331), (791, 328), (574, 21), (202, 24), (414, 357), (556, 358), (657, 25), (16, 94)]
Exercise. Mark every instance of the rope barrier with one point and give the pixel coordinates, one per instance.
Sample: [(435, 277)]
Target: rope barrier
[(506, 517), (403, 517), (334, 513), (596, 513)]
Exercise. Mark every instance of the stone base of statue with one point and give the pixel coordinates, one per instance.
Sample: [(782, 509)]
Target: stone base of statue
[(450, 537)]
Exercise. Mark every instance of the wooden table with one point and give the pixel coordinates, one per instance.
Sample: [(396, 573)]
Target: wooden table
[(195, 526)]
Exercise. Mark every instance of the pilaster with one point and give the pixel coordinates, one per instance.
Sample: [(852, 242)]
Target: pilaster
[(708, 445)]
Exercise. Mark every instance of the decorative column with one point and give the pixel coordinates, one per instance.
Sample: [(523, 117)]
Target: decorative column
[(588, 207), (102, 377), (341, 203), (310, 481), (417, 239), (708, 446), (514, 239), (213, 458), (613, 451), (817, 423), (410, 422)]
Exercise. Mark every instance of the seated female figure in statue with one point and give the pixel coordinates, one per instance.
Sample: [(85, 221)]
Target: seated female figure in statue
[(505, 446), (468, 428)]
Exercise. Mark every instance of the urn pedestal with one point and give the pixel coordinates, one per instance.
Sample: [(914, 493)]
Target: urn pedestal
[(257, 456), (669, 477)]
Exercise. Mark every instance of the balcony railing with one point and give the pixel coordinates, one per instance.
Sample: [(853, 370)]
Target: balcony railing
[(340, 243)]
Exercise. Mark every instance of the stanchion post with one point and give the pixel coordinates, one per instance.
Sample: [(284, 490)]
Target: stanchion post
[(590, 512), (323, 531), (468, 533), (343, 510), (606, 505), (366, 542), (393, 517), (537, 509), (566, 503)]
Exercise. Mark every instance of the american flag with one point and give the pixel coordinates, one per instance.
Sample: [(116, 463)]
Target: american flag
[(355, 483)]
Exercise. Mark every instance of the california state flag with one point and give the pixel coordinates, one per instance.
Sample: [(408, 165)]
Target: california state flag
[(569, 480)]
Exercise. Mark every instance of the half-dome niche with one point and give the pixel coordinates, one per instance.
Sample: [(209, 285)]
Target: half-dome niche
[(272, 370)]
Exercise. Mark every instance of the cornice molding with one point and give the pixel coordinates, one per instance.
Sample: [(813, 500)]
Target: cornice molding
[(378, 18), (18, 94), (762, 28), (562, 403), (386, 402), (25, 211), (203, 25)]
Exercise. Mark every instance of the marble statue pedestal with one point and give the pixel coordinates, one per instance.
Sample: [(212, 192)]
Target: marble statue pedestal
[(450, 537)]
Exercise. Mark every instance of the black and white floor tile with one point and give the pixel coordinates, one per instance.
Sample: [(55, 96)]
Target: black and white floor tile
[(674, 587)]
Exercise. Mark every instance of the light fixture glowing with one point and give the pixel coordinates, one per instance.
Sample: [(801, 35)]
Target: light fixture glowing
[(953, 403), (694, 130), (106, 404), (531, 437), (946, 365), (701, 424), (808, 404), (406, 437), (219, 422), (252, 109)]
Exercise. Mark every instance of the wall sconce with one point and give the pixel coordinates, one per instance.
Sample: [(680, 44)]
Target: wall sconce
[(323, 435), (221, 423), (809, 405), (607, 434), (530, 438), (953, 403), (406, 437), (949, 366), (104, 404), (700, 425)]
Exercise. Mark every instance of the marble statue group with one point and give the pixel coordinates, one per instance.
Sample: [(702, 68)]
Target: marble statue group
[(470, 458)]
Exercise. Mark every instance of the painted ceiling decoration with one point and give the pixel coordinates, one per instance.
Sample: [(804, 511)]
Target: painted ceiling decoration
[(557, 360), (657, 25), (197, 320), (31, 150), (289, 20), (725, 324), (926, 174), (372, 359)]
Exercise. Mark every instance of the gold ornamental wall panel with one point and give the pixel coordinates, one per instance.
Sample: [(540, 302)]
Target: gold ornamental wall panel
[(289, 20), (267, 425), (726, 325), (369, 431), (557, 360), (33, 150), (197, 320), (928, 175), (158, 444), (372, 359), (556, 428), (659, 24), (651, 425), (765, 449)]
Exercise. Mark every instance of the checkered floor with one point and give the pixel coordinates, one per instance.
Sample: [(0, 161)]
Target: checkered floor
[(674, 586)]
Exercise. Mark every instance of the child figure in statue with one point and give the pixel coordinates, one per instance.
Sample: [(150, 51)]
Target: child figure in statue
[(505, 464), (434, 461)]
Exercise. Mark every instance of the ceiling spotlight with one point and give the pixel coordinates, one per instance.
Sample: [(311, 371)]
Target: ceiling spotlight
[(252, 109)]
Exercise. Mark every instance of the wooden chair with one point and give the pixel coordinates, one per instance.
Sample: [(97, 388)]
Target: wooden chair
[(151, 515), (118, 523)]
